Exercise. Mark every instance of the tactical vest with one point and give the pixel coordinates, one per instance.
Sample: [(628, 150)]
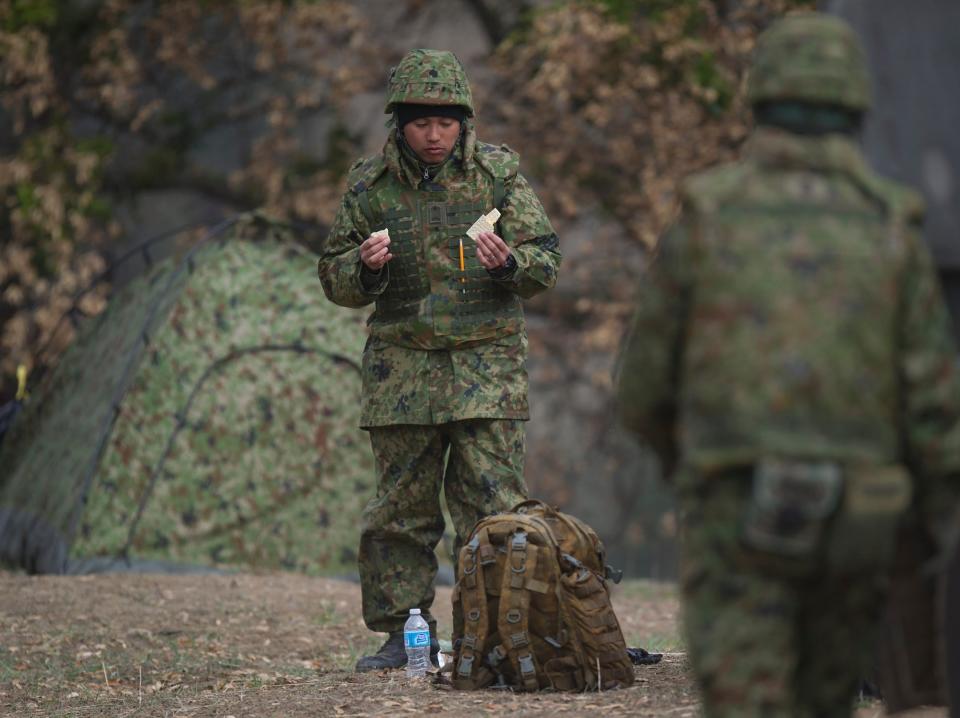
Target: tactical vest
[(429, 302)]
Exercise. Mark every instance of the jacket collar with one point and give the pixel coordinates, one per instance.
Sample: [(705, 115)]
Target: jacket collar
[(408, 168), (779, 149)]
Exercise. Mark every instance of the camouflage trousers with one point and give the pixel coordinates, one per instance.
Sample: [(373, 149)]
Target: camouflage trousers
[(479, 465), (762, 643)]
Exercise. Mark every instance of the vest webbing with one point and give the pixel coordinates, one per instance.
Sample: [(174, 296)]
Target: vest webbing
[(475, 300), (363, 199)]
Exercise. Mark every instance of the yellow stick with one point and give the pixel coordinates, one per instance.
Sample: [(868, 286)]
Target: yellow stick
[(22, 372), (462, 264)]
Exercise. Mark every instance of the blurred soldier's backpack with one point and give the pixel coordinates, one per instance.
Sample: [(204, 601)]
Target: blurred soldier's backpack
[(531, 607)]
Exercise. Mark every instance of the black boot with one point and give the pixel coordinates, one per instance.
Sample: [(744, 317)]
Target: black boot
[(392, 654)]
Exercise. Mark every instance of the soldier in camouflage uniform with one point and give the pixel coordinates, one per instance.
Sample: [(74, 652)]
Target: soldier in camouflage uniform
[(791, 361), (444, 383)]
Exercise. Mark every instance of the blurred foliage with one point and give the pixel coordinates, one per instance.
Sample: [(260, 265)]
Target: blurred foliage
[(53, 213), (104, 99), (620, 99), (251, 103), (610, 101)]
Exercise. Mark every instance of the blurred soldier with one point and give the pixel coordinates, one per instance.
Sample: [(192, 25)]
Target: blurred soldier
[(444, 378), (791, 359)]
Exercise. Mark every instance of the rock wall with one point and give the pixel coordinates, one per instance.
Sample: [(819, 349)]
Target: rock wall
[(912, 133)]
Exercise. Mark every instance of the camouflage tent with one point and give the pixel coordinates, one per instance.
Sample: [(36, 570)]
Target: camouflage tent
[(207, 418)]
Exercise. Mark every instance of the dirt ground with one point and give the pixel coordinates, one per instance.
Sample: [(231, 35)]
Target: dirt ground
[(271, 645)]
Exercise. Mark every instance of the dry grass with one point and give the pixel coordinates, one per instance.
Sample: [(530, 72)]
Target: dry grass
[(269, 645)]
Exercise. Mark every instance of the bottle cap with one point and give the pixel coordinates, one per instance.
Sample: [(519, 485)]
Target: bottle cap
[(414, 611)]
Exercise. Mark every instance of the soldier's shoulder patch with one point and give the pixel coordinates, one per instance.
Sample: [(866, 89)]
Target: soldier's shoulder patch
[(498, 160), (710, 188), (365, 172)]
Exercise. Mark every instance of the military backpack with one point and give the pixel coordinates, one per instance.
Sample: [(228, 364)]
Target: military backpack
[(531, 606)]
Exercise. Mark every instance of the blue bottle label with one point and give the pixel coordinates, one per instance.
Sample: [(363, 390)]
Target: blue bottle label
[(416, 639)]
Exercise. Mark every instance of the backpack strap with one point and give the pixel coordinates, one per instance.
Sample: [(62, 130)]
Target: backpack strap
[(499, 192), (363, 199), (469, 672), (501, 164), (513, 621), (360, 178)]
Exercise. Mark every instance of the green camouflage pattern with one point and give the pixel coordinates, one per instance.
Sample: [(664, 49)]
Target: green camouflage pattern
[(766, 325), (432, 304), (793, 312), (236, 431), (406, 386), (812, 58), (429, 77), (444, 388), (760, 645), (403, 523), (445, 371)]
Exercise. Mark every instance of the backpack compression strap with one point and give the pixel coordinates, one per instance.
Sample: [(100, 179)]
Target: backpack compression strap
[(513, 620), (470, 673)]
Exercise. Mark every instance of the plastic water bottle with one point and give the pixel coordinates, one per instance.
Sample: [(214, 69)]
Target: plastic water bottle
[(416, 640)]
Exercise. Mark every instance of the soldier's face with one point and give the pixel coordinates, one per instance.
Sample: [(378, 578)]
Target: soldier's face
[(432, 138)]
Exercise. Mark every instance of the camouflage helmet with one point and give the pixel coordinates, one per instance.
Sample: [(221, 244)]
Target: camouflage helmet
[(429, 77), (810, 57)]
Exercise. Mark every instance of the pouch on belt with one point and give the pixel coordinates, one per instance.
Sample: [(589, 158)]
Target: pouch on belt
[(863, 534), (790, 505), (813, 511)]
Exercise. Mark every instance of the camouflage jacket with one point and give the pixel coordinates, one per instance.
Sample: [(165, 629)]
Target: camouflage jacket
[(794, 310), (444, 344)]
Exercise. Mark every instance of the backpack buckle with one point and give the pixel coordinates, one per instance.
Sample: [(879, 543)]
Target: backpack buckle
[(465, 667), (496, 656), (614, 574), (513, 615)]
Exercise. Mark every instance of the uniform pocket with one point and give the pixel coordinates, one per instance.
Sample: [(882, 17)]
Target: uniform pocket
[(864, 532), (790, 506)]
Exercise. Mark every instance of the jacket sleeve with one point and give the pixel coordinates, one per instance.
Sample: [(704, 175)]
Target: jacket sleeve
[(340, 268), (648, 368), (930, 382), (533, 243)]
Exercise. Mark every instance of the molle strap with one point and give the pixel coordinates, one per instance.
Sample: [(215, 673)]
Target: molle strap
[(363, 199), (488, 554), (499, 192), (469, 672), (408, 283), (513, 619)]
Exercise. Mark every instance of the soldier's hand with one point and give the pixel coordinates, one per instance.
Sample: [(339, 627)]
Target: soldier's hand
[(491, 250), (375, 251)]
